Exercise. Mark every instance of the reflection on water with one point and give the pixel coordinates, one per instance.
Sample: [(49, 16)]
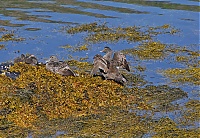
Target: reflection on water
[(160, 40)]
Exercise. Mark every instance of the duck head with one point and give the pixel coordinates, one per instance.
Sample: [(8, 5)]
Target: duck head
[(106, 49), (52, 59)]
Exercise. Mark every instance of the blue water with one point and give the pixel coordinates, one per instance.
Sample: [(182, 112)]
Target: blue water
[(50, 37)]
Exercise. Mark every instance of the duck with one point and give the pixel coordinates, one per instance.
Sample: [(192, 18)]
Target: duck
[(108, 69), (114, 74), (118, 57), (28, 59), (59, 67), (121, 61), (100, 64)]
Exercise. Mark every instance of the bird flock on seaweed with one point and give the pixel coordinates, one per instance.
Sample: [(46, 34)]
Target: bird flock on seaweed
[(107, 66)]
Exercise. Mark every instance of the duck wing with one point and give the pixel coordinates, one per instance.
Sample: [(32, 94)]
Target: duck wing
[(114, 74), (66, 71), (100, 64), (121, 60)]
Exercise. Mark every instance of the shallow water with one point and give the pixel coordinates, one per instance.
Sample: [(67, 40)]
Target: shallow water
[(41, 23)]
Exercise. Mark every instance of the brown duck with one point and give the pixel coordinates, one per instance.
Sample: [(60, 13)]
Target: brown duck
[(114, 74), (107, 69), (118, 57), (100, 64), (28, 59), (59, 67)]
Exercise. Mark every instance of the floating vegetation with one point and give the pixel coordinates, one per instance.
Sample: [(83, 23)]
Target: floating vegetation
[(76, 48), (189, 60), (67, 47), (140, 68), (192, 113), (182, 59), (101, 33), (135, 79), (6, 37), (10, 37), (187, 75), (184, 55), (167, 128), (33, 29), (8, 23), (2, 29), (81, 66), (163, 5), (152, 50), (158, 96), (2, 47), (115, 124), (91, 27), (148, 50)]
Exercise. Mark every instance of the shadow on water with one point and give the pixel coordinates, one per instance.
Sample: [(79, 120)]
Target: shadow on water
[(160, 99)]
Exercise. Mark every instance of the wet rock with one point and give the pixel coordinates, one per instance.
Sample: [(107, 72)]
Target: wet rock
[(4, 69), (6, 65), (12, 75)]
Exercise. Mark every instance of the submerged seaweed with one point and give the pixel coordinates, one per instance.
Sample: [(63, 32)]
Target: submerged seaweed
[(187, 75), (102, 33)]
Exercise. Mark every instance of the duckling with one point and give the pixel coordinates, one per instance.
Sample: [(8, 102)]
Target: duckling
[(59, 67), (28, 59)]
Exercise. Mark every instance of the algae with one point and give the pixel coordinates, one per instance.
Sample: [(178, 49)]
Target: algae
[(84, 47), (183, 75), (167, 128), (10, 37), (39, 97), (103, 33), (2, 47)]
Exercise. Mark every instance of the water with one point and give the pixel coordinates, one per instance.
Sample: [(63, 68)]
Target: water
[(41, 24)]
